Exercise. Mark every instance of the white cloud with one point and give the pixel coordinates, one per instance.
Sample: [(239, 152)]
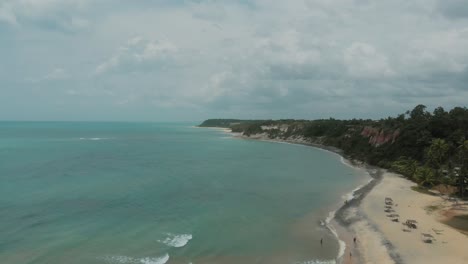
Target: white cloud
[(454, 9), (7, 15), (440, 51), (209, 10), (241, 56), (138, 53), (286, 48), (57, 74), (52, 14), (72, 92), (364, 61)]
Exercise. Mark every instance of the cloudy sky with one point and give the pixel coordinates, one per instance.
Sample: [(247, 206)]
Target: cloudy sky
[(185, 60)]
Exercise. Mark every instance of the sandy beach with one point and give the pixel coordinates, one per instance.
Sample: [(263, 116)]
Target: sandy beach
[(380, 240)]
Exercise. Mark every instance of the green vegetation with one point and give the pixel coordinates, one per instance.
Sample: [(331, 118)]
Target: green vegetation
[(428, 148), (422, 190), (221, 122), (432, 208)]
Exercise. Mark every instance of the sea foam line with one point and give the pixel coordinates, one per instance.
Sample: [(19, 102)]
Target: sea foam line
[(341, 243), (94, 139), (347, 163), (347, 197), (351, 195), (316, 262), (130, 260), (177, 241)]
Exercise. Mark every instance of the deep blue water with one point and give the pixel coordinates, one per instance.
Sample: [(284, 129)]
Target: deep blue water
[(162, 193)]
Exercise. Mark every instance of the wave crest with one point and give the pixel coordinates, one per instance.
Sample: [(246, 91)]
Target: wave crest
[(130, 260), (177, 241), (160, 260), (93, 139), (317, 262)]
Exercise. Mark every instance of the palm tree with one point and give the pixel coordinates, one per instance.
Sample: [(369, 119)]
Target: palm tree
[(436, 155), (437, 152), (425, 176), (405, 166)]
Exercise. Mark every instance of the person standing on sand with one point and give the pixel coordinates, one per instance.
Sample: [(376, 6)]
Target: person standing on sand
[(354, 240), (321, 241)]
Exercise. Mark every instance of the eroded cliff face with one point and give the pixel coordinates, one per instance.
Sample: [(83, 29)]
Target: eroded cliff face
[(283, 128), (378, 137)]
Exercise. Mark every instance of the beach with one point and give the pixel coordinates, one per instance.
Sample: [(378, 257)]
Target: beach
[(379, 240)]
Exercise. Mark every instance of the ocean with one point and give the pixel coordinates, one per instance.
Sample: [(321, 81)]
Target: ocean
[(154, 193)]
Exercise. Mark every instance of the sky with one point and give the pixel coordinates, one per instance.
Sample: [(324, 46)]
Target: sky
[(189, 60)]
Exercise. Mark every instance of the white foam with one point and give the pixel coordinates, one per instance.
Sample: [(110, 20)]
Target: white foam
[(94, 139), (330, 216), (346, 162), (177, 241), (119, 259), (341, 243), (130, 260), (351, 195), (316, 261), (160, 260)]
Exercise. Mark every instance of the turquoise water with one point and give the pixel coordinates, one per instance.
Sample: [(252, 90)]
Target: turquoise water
[(162, 193)]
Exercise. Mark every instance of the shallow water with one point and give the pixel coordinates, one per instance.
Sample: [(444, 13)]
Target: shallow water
[(459, 222), (163, 193)]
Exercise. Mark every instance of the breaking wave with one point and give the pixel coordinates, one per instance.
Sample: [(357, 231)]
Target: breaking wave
[(130, 260), (317, 262), (177, 241), (342, 244), (93, 139)]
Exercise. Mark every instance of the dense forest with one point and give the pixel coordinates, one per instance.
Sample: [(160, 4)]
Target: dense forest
[(428, 148)]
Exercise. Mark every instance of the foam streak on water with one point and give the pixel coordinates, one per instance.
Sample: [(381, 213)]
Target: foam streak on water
[(317, 262), (130, 260), (176, 240), (341, 243)]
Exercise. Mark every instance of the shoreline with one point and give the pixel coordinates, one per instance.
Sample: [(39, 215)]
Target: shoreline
[(337, 216), (378, 239)]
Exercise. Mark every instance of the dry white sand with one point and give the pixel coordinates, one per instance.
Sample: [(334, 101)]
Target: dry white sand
[(373, 233)]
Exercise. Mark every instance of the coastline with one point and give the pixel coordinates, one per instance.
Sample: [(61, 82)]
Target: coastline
[(337, 222), (379, 240)]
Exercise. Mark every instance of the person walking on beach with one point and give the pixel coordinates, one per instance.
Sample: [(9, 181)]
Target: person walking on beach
[(321, 241), (354, 240)]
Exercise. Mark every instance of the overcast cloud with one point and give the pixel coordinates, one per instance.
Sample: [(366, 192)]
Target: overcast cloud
[(195, 59)]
